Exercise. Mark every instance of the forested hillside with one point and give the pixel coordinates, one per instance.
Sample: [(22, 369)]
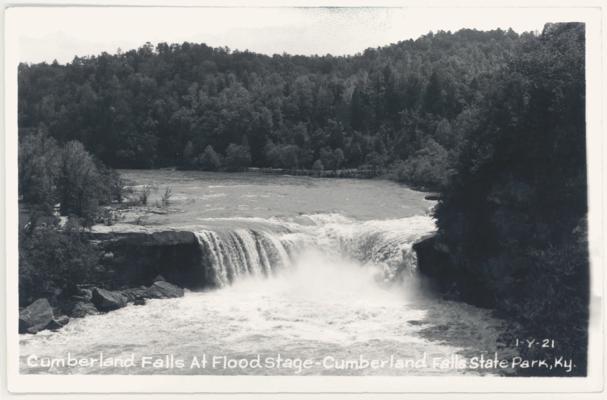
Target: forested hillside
[(513, 214), (403, 107)]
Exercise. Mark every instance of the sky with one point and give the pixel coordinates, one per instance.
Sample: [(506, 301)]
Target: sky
[(60, 33)]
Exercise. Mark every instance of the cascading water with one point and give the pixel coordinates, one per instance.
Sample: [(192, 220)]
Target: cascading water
[(266, 247), (229, 256)]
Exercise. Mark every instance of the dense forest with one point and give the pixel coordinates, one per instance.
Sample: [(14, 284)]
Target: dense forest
[(513, 213), (402, 107), (494, 120)]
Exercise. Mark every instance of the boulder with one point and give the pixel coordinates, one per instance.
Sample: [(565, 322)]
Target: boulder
[(139, 301), (106, 300), (159, 278), (134, 293), (82, 308), (163, 290), (35, 317), (433, 196), (84, 294), (58, 323)]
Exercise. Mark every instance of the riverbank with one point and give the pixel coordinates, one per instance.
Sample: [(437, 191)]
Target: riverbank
[(346, 173), (352, 173), (90, 300), (131, 266)]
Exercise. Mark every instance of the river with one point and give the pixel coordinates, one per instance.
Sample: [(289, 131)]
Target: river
[(307, 270)]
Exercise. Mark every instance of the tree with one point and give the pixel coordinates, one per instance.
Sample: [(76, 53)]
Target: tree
[(188, 153), (434, 96), (300, 135), (327, 158), (355, 156), (237, 158), (444, 134), (209, 160), (317, 166), (283, 156), (80, 190), (338, 156), (428, 167), (39, 161)]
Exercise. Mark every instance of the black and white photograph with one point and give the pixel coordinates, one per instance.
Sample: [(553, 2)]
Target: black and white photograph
[(302, 192)]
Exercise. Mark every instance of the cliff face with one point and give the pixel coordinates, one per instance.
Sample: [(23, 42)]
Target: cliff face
[(136, 258), (446, 277)]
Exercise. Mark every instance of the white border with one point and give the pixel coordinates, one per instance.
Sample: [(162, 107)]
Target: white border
[(589, 12)]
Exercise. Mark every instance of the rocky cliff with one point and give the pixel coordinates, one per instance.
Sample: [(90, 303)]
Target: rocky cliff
[(136, 258)]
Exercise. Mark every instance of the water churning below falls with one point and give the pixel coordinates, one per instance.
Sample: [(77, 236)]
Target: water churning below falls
[(307, 295)]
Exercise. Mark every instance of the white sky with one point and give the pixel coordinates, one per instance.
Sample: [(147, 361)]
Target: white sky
[(45, 34)]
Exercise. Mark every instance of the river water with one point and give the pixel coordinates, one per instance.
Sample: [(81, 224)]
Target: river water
[(314, 276)]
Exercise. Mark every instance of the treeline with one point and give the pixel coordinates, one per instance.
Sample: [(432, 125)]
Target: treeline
[(403, 107), (513, 214)]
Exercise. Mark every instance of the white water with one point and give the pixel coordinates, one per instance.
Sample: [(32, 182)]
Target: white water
[(305, 287), (264, 247)]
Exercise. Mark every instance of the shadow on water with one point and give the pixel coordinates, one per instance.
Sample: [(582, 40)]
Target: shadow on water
[(474, 331)]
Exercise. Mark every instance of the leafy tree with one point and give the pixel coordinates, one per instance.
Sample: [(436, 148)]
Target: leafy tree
[(317, 166), (283, 156), (328, 158), (237, 158), (338, 156), (428, 168), (209, 160), (39, 161), (80, 189), (188, 153)]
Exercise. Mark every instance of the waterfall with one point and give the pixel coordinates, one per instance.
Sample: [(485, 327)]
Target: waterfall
[(250, 247)]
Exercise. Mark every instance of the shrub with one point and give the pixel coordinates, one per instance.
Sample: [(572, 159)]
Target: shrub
[(144, 195), (166, 197)]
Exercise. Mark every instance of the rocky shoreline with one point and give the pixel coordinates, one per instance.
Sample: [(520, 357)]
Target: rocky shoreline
[(40, 315), (137, 265)]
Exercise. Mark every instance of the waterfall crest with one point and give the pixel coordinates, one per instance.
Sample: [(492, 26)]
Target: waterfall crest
[(265, 247)]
